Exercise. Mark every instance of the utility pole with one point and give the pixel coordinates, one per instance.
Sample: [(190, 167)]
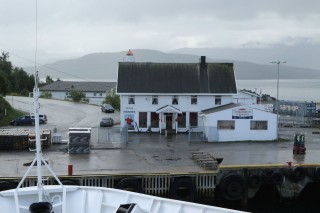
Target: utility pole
[(278, 64)]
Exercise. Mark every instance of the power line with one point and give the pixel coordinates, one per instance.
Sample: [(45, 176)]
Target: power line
[(45, 66)]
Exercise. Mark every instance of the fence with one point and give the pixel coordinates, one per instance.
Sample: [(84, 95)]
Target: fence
[(197, 134), (115, 137), (295, 121)]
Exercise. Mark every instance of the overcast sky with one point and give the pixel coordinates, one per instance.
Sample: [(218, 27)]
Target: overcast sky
[(72, 28)]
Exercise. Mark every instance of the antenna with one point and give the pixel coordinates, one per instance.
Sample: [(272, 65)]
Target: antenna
[(36, 115)]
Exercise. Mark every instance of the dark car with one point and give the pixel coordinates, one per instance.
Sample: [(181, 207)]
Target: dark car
[(23, 120), (28, 120), (106, 122), (107, 108)]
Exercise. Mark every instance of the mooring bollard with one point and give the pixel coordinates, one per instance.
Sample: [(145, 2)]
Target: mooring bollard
[(70, 169)]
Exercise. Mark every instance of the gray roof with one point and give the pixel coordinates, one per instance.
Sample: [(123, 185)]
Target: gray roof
[(220, 108), (176, 78), (78, 86)]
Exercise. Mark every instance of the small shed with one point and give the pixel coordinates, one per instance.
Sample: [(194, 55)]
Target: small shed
[(235, 122)]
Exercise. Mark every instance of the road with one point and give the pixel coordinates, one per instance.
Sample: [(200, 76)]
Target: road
[(62, 114)]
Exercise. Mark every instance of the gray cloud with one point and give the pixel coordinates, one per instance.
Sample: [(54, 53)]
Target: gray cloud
[(76, 27)]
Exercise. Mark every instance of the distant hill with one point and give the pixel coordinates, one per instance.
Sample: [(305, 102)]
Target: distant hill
[(104, 66)]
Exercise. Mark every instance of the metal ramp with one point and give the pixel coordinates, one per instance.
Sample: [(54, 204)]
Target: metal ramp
[(206, 161)]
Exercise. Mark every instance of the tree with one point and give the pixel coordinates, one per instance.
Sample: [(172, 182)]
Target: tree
[(77, 96), (5, 71), (4, 85), (113, 99), (21, 81), (5, 64), (49, 80), (14, 79)]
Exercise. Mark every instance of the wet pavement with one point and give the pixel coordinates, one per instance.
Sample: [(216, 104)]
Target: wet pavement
[(155, 153), (146, 152)]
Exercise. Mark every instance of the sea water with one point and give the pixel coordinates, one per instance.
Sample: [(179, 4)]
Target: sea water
[(289, 89)]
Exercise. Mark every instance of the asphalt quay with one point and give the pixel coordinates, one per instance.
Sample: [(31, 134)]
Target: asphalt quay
[(158, 153)]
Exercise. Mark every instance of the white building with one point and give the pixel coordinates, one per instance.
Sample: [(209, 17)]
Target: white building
[(95, 91), (235, 122), (170, 96), (246, 97)]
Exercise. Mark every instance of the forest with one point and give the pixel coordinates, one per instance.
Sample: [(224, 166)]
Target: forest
[(14, 80)]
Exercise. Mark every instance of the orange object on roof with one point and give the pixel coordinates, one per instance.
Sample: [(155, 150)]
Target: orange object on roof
[(129, 53)]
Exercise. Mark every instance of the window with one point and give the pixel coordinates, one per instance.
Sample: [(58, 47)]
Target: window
[(217, 100), (175, 100), (154, 120), (131, 99), (143, 119), (100, 94), (225, 124), (182, 120), (194, 99), (193, 119), (155, 100), (95, 94), (258, 125)]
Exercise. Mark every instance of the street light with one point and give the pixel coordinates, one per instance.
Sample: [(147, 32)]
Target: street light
[(278, 63)]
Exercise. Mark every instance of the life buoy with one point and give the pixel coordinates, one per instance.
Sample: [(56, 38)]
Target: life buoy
[(40, 207), (232, 186), (129, 184), (298, 173), (183, 189), (6, 185), (255, 180)]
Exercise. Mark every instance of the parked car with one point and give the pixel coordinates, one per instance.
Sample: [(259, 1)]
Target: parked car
[(23, 120), (42, 118), (107, 108), (28, 120), (106, 122)]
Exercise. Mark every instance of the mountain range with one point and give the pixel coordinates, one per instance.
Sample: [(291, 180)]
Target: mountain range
[(104, 66)]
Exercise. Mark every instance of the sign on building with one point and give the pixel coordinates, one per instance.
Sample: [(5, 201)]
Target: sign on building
[(242, 113)]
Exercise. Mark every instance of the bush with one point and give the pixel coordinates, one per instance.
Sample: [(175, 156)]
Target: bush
[(113, 99), (77, 96), (46, 95)]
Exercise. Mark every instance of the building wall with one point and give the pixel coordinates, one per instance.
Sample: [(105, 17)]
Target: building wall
[(244, 98), (143, 103), (94, 97), (242, 131)]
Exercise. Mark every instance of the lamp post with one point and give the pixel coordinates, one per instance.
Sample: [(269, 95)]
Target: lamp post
[(278, 63)]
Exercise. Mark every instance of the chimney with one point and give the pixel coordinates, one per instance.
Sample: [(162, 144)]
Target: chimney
[(203, 75), (203, 60)]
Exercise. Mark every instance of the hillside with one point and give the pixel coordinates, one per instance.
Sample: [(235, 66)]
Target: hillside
[(104, 66)]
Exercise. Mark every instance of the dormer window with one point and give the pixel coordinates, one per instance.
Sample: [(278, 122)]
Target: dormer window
[(194, 100), (175, 100), (155, 100), (217, 100), (131, 99)]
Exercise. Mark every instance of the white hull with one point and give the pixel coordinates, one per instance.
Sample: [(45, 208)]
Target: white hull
[(80, 199)]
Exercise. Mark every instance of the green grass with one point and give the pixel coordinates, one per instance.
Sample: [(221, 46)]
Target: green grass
[(10, 113)]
